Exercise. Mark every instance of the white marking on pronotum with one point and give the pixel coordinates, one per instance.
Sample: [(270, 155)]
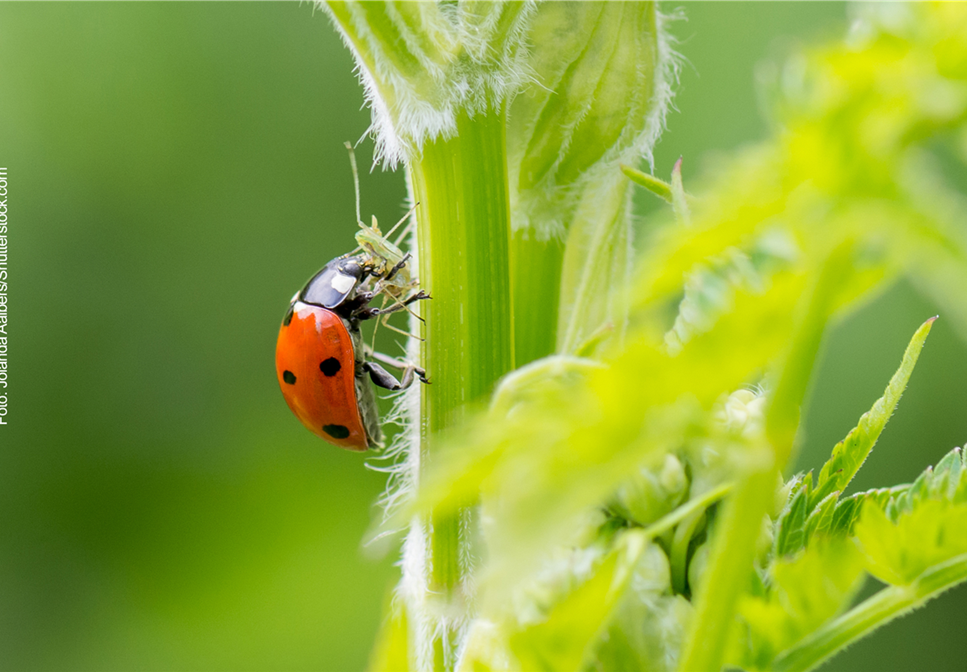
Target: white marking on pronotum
[(342, 283)]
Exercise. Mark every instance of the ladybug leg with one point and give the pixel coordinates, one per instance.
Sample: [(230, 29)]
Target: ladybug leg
[(358, 306), (410, 370), (381, 377)]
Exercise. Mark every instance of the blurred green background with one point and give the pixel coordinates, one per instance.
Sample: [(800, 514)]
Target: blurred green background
[(176, 173)]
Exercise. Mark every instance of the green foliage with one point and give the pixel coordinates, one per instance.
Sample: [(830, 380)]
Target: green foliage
[(650, 622), (696, 391), (926, 536), (913, 538), (587, 105), (924, 526), (815, 509), (771, 623), (850, 453), (559, 641)]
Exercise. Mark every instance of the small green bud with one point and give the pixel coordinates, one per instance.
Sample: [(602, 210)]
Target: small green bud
[(743, 413), (672, 476), (652, 573), (648, 495)]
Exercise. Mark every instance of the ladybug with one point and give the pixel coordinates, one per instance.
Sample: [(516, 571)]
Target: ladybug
[(321, 360)]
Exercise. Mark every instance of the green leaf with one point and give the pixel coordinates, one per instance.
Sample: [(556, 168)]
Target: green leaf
[(791, 528), (563, 640), (791, 524), (888, 604), (710, 291), (911, 537), (945, 481), (850, 453), (820, 520), (597, 259), (598, 64), (897, 553), (805, 592), (848, 510)]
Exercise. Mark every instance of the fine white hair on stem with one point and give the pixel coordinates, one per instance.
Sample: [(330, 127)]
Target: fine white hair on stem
[(401, 461), (456, 68), (402, 457)]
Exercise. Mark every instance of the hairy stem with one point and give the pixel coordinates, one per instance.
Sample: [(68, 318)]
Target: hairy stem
[(860, 621), (464, 233)]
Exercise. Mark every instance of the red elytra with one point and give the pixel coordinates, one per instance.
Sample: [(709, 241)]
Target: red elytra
[(316, 366)]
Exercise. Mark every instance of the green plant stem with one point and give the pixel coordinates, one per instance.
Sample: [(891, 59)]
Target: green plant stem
[(464, 234), (729, 571), (700, 503), (535, 272), (860, 621), (655, 185), (734, 547)]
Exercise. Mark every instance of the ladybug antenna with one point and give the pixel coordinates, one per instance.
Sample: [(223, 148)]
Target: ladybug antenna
[(352, 162)]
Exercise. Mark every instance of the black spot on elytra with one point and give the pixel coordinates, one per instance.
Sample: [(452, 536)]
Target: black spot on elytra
[(288, 316), (288, 377), (336, 431), (330, 367)]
